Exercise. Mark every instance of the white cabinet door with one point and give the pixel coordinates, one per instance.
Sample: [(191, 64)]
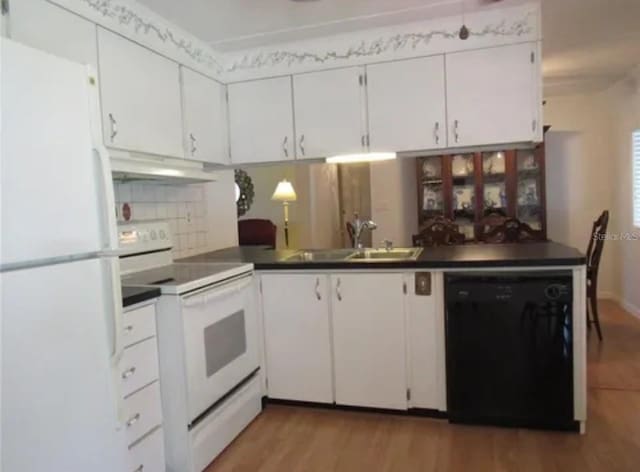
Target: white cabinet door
[(406, 104), (42, 25), (369, 340), (261, 121), (204, 108), (140, 98), (329, 112), (491, 95), (297, 337)]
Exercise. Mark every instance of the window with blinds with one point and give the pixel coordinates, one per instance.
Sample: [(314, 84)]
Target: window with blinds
[(635, 149)]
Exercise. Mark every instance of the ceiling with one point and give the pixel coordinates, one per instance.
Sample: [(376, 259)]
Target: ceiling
[(238, 24), (588, 44)]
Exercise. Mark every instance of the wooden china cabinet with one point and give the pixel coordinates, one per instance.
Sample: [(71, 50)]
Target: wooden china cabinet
[(511, 183)]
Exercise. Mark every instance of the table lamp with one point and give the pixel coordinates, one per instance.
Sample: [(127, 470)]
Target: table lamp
[(285, 193)]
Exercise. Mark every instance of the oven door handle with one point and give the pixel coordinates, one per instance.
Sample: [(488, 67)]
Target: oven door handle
[(207, 294)]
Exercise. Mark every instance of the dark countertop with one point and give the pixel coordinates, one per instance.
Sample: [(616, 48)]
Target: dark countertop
[(465, 256), (133, 295)]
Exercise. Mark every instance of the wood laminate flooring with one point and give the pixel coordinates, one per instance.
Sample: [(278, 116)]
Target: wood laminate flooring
[(297, 439)]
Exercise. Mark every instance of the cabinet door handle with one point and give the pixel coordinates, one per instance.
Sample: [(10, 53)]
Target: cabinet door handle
[(133, 420), (436, 132), (192, 138), (338, 291), (140, 468), (302, 144), (114, 126), (128, 373), (456, 136), (318, 295), (284, 146)]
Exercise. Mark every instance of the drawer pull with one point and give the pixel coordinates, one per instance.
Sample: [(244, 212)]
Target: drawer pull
[(128, 373), (128, 329), (140, 468), (133, 420)]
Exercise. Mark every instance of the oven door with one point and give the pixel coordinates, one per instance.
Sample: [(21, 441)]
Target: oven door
[(221, 341)]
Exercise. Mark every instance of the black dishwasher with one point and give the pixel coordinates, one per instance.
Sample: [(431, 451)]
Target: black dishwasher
[(510, 348)]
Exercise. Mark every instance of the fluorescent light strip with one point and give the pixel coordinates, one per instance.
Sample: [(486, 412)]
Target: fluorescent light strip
[(362, 157)]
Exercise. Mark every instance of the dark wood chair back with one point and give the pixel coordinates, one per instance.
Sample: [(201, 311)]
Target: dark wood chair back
[(512, 230), (351, 232), (439, 231), (596, 245), (257, 232)]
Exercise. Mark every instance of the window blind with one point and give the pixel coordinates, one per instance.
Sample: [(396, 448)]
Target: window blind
[(635, 149)]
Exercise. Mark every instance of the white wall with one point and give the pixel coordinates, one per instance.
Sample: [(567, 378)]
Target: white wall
[(589, 170), (394, 204)]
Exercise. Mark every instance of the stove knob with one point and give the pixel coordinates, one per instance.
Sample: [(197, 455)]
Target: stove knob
[(154, 236), (163, 235)]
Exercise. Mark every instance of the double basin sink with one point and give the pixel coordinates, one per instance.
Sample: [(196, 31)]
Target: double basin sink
[(342, 255)]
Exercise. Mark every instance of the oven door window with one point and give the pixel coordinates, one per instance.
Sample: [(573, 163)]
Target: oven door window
[(224, 342)]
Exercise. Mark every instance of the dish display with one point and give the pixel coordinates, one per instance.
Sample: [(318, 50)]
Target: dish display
[(495, 196), (493, 163), (462, 165)]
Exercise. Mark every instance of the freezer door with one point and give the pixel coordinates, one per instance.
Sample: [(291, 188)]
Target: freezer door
[(59, 408), (53, 184)]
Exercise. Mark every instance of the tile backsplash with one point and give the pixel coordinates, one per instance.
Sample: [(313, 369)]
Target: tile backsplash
[(183, 206)]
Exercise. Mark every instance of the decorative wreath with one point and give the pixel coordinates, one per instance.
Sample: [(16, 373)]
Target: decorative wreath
[(245, 200)]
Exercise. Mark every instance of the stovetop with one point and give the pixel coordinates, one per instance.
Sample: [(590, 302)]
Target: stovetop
[(178, 278)]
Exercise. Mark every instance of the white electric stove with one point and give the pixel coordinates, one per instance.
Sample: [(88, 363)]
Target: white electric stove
[(207, 342)]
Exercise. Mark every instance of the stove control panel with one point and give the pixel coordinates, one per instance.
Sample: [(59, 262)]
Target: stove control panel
[(145, 236)]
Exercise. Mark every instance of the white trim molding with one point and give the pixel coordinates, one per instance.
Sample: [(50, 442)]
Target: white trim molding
[(487, 28), (140, 24)]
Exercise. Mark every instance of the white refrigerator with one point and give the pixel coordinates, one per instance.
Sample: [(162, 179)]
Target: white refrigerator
[(59, 278)]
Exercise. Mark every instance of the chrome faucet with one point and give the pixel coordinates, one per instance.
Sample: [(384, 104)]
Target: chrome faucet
[(358, 226)]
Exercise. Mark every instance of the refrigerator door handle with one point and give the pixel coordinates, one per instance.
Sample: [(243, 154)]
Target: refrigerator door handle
[(118, 331), (109, 203)]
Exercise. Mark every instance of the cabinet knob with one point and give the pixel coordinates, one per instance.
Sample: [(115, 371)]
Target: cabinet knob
[(456, 135), (318, 295), (128, 373), (338, 291), (192, 138), (302, 144), (284, 146), (133, 420), (436, 132)]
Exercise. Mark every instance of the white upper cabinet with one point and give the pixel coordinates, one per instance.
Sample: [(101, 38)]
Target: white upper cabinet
[(140, 91), (330, 115), (205, 124), (369, 340), (406, 104), (261, 121), (42, 25), (297, 337), (493, 95)]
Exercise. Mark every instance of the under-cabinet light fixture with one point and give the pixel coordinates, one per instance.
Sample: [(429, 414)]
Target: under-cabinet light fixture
[(361, 157)]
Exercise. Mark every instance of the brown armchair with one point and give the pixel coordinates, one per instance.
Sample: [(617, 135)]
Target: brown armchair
[(257, 232), (439, 231)]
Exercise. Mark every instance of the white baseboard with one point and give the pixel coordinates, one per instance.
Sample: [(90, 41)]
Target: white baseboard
[(628, 306)]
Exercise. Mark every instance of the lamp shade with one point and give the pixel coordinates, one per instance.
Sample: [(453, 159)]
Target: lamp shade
[(284, 192)]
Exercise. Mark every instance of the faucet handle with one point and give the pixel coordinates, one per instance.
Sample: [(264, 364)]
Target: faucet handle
[(388, 244)]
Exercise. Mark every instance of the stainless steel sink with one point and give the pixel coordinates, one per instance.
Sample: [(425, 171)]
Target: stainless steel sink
[(337, 255), (321, 255), (394, 254)]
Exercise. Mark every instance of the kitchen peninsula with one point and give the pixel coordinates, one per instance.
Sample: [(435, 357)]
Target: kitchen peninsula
[(356, 329)]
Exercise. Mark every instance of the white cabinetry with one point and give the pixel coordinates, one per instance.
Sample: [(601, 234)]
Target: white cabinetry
[(493, 95), (369, 339), (261, 121), (142, 406), (140, 93), (406, 105), (205, 122), (330, 115), (297, 336)]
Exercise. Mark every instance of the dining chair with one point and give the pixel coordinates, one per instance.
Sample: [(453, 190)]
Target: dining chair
[(594, 254), (439, 231), (512, 230)]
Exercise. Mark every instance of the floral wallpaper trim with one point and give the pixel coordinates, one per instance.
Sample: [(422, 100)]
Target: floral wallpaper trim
[(126, 16), (518, 28)]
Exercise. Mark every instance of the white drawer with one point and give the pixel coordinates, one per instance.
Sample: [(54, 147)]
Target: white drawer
[(148, 455), (139, 366), (139, 324), (143, 411)]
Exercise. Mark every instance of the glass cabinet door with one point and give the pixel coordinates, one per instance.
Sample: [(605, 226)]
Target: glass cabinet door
[(432, 203), (529, 208), (463, 193), (494, 183)]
